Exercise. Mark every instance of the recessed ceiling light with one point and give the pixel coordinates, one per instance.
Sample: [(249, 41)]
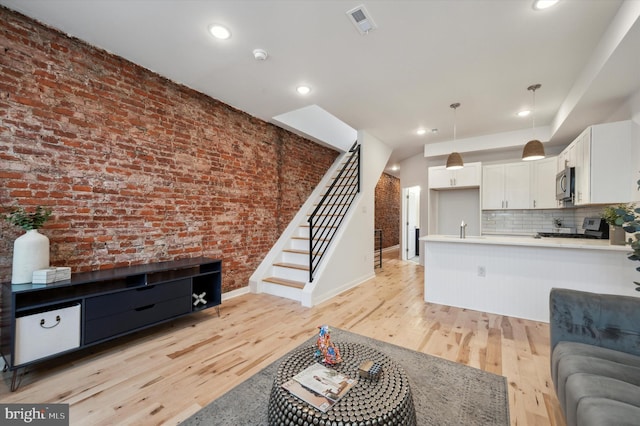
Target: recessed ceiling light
[(524, 113), (219, 32), (303, 90), (543, 4), (421, 132)]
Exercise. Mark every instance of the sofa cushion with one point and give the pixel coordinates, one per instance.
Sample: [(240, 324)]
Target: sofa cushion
[(598, 319), (581, 386), (573, 348), (607, 412), (573, 364)]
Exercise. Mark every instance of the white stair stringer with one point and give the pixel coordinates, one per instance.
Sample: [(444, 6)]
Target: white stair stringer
[(284, 272)]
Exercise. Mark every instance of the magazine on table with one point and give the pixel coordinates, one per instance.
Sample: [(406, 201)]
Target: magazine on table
[(319, 386)]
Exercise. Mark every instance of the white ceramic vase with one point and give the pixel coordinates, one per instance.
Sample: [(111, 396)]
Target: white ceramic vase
[(30, 253)]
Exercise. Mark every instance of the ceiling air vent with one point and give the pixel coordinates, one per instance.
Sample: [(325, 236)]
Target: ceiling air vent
[(361, 19)]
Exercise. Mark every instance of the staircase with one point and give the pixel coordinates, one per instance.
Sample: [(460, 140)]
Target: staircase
[(304, 244)]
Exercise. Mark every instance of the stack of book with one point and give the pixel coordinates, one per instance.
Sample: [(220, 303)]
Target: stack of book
[(50, 275)]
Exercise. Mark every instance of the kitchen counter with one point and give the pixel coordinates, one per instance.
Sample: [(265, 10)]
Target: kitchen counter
[(530, 241), (513, 275)]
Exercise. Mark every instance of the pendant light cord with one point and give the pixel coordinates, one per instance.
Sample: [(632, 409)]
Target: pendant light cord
[(533, 88), (455, 107)]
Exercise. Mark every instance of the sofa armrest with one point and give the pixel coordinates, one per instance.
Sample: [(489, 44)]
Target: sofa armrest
[(609, 321)]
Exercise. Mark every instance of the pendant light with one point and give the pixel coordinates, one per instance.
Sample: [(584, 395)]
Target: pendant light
[(454, 161), (533, 150)]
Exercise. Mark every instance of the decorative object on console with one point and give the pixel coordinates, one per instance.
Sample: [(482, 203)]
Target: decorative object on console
[(454, 161), (30, 250), (51, 275), (325, 347), (199, 298), (533, 150)]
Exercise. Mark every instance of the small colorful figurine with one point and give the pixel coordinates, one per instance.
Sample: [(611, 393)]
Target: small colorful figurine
[(326, 348)]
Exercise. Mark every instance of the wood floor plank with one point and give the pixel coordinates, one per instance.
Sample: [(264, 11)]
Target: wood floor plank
[(165, 374)]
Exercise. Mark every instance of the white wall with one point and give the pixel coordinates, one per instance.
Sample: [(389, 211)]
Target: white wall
[(456, 206), (350, 260)]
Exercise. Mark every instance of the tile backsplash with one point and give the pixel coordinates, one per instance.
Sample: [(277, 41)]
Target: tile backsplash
[(525, 222)]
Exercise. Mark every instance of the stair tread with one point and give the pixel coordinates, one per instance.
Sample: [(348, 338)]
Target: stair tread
[(299, 251), (292, 266), (285, 282), (307, 239)]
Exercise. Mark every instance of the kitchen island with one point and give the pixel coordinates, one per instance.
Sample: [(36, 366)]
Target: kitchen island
[(513, 275)]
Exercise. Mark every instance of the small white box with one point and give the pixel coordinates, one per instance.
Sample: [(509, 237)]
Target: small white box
[(63, 273), (44, 276), (46, 333)]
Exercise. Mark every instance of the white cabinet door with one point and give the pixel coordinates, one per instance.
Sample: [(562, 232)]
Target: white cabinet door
[(613, 170), (493, 187), (582, 149), (440, 177), (467, 177), (506, 186), (516, 186), (543, 182)]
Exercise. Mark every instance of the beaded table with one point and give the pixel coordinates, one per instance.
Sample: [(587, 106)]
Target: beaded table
[(385, 401)]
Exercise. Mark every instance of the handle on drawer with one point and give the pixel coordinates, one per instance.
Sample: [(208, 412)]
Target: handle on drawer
[(42, 322), (145, 288), (144, 308)]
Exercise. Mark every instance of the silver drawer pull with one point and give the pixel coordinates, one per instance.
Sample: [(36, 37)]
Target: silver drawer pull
[(42, 321), (144, 308)]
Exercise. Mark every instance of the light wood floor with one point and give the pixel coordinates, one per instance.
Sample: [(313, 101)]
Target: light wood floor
[(163, 375)]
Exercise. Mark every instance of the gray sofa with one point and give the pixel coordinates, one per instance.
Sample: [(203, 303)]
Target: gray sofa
[(595, 357)]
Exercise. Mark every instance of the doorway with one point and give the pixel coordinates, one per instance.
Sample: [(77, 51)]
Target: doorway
[(410, 223)]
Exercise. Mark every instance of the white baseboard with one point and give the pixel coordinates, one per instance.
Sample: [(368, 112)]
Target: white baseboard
[(235, 293)]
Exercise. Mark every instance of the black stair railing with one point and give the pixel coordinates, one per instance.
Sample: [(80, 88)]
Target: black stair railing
[(377, 248), (330, 211)]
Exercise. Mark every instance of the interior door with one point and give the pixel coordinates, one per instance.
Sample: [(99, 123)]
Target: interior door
[(412, 220)]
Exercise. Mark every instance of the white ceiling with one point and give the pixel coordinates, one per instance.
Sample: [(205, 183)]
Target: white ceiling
[(423, 56)]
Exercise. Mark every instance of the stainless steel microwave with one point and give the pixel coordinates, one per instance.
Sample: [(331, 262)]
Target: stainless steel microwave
[(565, 184)]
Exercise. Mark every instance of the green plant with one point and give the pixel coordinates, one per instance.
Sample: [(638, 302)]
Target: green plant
[(614, 215), (631, 225), (28, 221)]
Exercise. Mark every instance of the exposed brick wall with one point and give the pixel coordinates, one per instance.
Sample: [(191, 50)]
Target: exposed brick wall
[(387, 215), (136, 168)]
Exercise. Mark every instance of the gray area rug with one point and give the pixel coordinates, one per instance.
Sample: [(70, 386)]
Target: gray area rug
[(444, 392)]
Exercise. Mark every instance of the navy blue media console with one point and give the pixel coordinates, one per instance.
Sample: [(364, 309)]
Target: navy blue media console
[(42, 321)]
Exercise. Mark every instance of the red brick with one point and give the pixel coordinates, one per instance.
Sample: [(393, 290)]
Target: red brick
[(387, 209), (137, 168)]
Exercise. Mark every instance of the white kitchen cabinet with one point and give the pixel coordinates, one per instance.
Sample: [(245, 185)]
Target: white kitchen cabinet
[(467, 177), (543, 182), (603, 156), (567, 158), (506, 186), (582, 166)]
